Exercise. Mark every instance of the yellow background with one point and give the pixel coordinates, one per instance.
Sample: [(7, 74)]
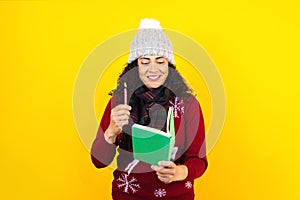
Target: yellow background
[(255, 45)]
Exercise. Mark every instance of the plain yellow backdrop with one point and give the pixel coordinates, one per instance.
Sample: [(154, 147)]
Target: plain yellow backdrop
[(255, 45)]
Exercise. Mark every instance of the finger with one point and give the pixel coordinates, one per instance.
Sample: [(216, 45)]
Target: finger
[(161, 179), (165, 172), (116, 113), (156, 168), (120, 125), (165, 180), (120, 118), (166, 164), (165, 176), (122, 107), (120, 110), (122, 122)]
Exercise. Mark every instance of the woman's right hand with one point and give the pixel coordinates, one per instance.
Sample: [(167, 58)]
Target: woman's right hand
[(118, 118)]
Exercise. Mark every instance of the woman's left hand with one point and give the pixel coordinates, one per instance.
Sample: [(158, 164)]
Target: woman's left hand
[(168, 171)]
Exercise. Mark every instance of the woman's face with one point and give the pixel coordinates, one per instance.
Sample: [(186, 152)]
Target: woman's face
[(153, 70)]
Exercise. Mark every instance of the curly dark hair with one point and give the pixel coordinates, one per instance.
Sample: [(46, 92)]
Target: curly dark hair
[(174, 81)]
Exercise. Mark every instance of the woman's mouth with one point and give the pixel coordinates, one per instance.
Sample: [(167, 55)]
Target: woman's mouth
[(153, 78)]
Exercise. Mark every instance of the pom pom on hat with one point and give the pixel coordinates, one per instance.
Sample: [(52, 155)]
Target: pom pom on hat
[(150, 40), (150, 23)]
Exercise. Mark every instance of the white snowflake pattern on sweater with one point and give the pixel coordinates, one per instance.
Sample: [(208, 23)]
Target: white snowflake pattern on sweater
[(131, 185), (188, 184), (160, 193), (177, 107)]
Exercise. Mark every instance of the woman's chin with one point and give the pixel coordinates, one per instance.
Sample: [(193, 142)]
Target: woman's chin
[(152, 85)]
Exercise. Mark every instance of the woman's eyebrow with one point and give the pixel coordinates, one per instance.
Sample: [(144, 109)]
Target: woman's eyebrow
[(157, 58), (145, 58)]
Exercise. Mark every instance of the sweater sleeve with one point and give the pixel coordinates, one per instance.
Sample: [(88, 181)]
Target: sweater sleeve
[(103, 153), (195, 155)]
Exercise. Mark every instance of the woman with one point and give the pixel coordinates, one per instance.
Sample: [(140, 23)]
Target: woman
[(153, 85)]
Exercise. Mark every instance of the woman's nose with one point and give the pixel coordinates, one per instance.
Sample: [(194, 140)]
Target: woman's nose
[(153, 67)]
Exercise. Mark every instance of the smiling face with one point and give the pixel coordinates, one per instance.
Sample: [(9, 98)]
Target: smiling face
[(153, 70)]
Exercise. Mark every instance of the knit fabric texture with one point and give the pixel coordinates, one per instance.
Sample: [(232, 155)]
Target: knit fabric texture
[(151, 40)]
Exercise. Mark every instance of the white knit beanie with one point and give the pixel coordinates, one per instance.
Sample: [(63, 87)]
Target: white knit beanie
[(150, 40)]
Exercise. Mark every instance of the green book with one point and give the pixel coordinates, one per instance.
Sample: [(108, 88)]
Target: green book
[(152, 145)]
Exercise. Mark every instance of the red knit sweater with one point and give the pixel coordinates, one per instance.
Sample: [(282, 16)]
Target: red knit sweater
[(142, 182)]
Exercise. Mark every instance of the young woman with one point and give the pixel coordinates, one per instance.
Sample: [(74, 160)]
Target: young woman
[(152, 85)]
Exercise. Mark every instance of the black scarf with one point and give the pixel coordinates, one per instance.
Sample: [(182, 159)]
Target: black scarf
[(149, 108)]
